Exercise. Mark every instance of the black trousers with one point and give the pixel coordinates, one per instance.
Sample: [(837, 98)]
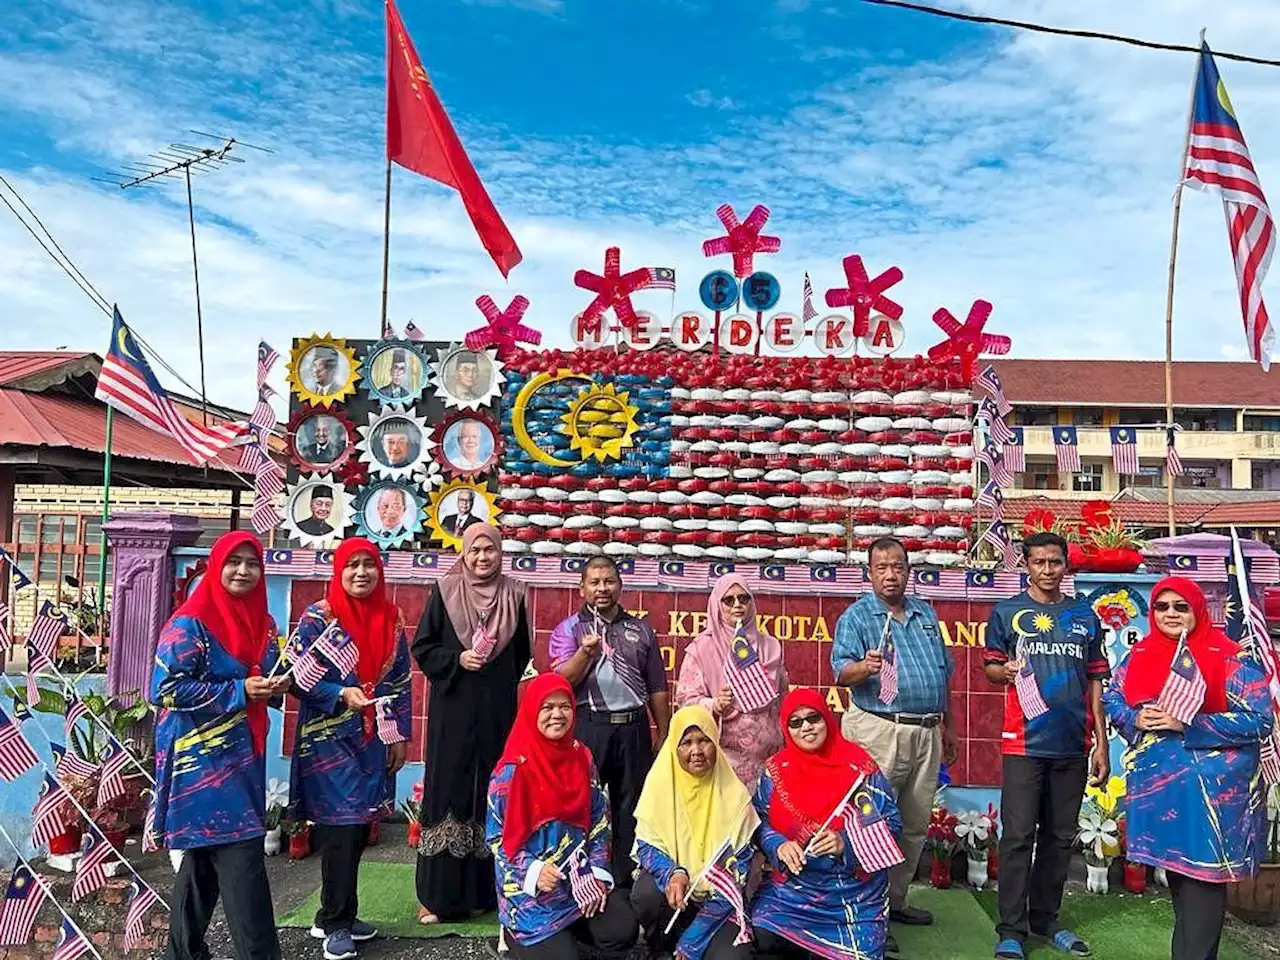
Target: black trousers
[(238, 873), (1198, 911), (1039, 807), (654, 913), (773, 947), (623, 755), (612, 933), (340, 850)]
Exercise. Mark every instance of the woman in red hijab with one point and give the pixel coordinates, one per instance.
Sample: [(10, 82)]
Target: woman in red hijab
[(353, 725), (821, 898), (548, 828), (1195, 799), (210, 689)]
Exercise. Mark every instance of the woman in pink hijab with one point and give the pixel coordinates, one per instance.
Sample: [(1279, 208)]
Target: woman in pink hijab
[(749, 729)]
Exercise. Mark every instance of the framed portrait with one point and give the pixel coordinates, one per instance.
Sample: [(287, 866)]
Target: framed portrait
[(468, 443), (389, 513), (317, 510), (395, 371), (457, 505), (320, 438), (467, 379), (395, 443), (323, 370)]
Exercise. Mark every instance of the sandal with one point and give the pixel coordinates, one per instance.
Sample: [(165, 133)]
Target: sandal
[(1009, 949), (1071, 944), (426, 917)]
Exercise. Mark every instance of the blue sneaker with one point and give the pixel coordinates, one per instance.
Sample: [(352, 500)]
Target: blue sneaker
[(339, 946), (361, 931)]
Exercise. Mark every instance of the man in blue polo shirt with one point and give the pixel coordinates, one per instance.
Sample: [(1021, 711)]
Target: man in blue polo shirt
[(1053, 720), (908, 735)]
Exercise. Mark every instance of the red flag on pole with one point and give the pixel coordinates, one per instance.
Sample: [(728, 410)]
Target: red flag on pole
[(421, 138)]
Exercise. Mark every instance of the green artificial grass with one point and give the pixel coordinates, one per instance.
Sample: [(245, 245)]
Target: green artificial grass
[(1115, 925), (388, 900), (960, 927)]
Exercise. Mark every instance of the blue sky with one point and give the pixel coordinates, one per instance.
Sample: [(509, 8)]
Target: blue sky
[(1033, 171)]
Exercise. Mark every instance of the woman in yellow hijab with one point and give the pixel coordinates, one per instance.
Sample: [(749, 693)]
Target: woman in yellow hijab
[(694, 829)]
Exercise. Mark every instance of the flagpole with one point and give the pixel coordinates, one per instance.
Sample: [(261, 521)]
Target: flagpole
[(386, 245), (102, 534)]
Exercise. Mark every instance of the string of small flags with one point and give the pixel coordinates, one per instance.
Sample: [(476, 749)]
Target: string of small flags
[(255, 457)]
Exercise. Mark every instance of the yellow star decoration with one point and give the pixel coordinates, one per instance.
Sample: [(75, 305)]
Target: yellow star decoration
[(601, 423), (1042, 622)]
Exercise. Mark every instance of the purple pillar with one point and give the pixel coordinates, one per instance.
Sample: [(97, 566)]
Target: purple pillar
[(142, 586)]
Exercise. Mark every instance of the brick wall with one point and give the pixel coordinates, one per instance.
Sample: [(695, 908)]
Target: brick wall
[(100, 916)]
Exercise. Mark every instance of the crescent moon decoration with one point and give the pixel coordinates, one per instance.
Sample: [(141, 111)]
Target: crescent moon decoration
[(341, 388), (436, 531), (520, 412), (1018, 628)]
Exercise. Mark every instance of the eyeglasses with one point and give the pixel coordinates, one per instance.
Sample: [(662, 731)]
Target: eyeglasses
[(1177, 606), (736, 600), (809, 719)]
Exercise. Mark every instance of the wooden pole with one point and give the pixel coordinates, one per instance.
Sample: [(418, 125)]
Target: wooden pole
[(386, 247)]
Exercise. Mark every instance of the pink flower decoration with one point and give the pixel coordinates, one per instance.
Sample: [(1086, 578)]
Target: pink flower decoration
[(864, 294), (613, 290), (504, 329), (743, 239), (966, 341)]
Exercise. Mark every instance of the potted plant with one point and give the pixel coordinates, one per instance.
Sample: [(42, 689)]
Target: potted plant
[(1106, 546), (976, 832), (299, 834), (412, 809), (942, 842), (1257, 899), (1099, 842), (1110, 801), (993, 851), (277, 801)]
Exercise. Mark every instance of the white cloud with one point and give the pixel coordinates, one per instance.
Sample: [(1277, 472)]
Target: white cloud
[(705, 98)]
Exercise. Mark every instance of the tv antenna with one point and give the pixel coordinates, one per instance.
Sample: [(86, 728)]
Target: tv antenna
[(180, 161)]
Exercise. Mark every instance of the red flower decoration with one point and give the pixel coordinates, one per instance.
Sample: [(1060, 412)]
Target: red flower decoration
[(743, 239), (864, 294), (1097, 514), (1113, 615), (504, 329), (1038, 520), (966, 341), (613, 289)]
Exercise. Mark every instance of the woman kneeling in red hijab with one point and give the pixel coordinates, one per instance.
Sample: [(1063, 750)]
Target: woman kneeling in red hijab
[(353, 723), (828, 893), (1194, 797), (548, 828)]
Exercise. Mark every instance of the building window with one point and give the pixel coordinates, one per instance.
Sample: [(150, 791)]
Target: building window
[(1035, 416), (1087, 416), (1148, 477), (1205, 419), (1257, 424), (1039, 476), (1198, 477), (1139, 417), (1089, 479)]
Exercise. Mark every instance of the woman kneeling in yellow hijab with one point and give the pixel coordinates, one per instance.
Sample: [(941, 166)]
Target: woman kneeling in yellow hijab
[(694, 829)]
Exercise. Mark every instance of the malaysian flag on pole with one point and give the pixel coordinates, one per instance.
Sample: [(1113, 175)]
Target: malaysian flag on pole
[(1218, 162), (22, 901), (997, 469), (68, 763), (996, 427), (1246, 624), (310, 665), (17, 579), (888, 662), (42, 645), (1015, 453), (1182, 695), (412, 332), (141, 899), (6, 638), (91, 870), (127, 383), (720, 878), (586, 886), (71, 942), (1027, 688), (53, 812), (267, 358), (661, 278), (869, 835), (1066, 447), (388, 728), (1172, 462), (745, 674), (992, 496), (77, 710), (989, 381), (115, 758), (1124, 450), (388, 331), (16, 755), (810, 312)]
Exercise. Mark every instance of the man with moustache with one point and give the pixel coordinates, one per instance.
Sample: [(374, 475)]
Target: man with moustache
[(397, 388), (318, 524)]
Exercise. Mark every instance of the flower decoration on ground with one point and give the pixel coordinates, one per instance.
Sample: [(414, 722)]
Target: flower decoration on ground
[(1108, 798), (613, 290), (967, 341), (863, 294), (1099, 833), (743, 240), (504, 329), (942, 837), (975, 830)]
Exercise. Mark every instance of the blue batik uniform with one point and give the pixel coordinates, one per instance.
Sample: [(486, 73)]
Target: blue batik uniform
[(210, 784), (832, 908), (713, 912), (338, 777), (1196, 803), (527, 914)]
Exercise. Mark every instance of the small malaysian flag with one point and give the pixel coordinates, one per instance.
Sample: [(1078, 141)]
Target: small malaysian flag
[(586, 887), (91, 870), (996, 427), (6, 638), (412, 332), (989, 381), (721, 879), (115, 758), (53, 813), (997, 469), (869, 835), (17, 579), (751, 686), (307, 669), (1182, 695), (1172, 462), (71, 942), (16, 755), (388, 728), (996, 534), (68, 763), (150, 839), (388, 331), (1028, 689), (982, 585), (1015, 452), (1124, 450), (661, 278), (339, 650), (482, 641), (991, 496), (1066, 447), (22, 901), (888, 663), (267, 358), (46, 630), (810, 312), (1246, 624), (141, 899), (77, 710)]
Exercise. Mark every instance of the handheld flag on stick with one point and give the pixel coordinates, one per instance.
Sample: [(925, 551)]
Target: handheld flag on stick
[(1182, 695), (388, 729), (587, 889), (1247, 625), (52, 814), (16, 755), (91, 870), (868, 834), (720, 878), (746, 676), (1027, 688), (888, 663), (141, 899)]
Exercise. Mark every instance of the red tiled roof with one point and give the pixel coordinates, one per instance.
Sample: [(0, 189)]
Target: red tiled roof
[(1251, 513), (1137, 383), (59, 421), (1126, 511), (19, 365)]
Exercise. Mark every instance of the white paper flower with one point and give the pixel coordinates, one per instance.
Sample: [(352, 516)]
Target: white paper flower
[(973, 829), (1098, 835), (277, 793)]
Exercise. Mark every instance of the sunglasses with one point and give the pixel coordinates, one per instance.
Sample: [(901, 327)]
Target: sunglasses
[(1177, 606), (809, 719), (736, 600)]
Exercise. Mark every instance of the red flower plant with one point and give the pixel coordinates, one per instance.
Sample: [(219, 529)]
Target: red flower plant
[(1097, 514), (1038, 520)]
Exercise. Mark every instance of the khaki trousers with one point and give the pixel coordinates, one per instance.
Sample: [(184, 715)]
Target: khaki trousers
[(909, 757)]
